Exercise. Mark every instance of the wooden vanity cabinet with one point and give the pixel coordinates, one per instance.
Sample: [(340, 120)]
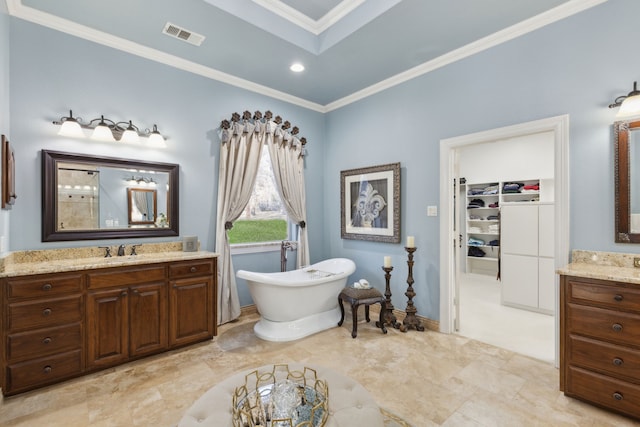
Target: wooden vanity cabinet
[(42, 330), (126, 314), (192, 302), (62, 325), (600, 343)]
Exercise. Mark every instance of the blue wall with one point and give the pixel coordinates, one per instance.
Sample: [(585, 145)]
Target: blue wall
[(52, 72), (5, 121), (576, 66)]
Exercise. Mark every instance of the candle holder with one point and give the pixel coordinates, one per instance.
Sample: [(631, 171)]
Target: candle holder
[(387, 317), (411, 320)]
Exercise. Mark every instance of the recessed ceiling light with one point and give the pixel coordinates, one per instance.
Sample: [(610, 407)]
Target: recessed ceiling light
[(297, 67)]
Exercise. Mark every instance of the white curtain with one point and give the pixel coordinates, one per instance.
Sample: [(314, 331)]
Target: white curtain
[(287, 159), (239, 159)]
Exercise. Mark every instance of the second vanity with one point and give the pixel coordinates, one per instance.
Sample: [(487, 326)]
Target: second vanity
[(600, 330), (67, 317)]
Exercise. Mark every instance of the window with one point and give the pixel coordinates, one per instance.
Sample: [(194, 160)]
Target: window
[(264, 218)]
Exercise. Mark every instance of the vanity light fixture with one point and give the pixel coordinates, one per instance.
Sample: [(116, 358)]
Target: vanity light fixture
[(140, 180), (104, 129), (629, 104)]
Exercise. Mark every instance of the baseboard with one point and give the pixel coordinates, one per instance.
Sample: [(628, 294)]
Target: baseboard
[(430, 324), (248, 310)]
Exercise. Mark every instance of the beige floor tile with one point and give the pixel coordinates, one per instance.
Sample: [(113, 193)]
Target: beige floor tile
[(427, 378)]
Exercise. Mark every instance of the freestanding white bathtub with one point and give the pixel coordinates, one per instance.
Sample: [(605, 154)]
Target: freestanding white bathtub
[(298, 303)]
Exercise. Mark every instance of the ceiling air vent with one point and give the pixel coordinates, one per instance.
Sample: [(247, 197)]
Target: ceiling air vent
[(182, 34)]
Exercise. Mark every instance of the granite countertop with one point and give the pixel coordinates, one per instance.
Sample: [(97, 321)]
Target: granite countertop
[(76, 259), (603, 265)]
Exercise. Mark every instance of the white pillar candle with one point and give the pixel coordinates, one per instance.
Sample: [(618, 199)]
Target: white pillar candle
[(387, 261), (411, 242)]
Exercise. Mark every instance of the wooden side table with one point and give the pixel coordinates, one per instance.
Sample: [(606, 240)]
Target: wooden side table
[(357, 297)]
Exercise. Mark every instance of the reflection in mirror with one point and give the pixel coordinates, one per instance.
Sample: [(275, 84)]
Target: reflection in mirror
[(88, 197), (627, 184), (78, 196), (634, 179), (142, 206)]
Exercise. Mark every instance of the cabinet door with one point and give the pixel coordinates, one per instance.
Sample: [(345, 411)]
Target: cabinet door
[(107, 326), (191, 310), (148, 318), (519, 230), (519, 280)]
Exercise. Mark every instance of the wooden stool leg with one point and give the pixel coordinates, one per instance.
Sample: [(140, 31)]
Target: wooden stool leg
[(366, 313), (341, 311), (354, 312)]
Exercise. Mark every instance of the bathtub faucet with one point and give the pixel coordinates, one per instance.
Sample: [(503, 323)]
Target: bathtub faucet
[(284, 246)]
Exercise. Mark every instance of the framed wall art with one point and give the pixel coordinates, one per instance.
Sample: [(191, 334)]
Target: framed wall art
[(370, 203), (8, 174)]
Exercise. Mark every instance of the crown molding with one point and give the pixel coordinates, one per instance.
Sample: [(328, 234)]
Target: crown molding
[(303, 21), (17, 9), (552, 15)]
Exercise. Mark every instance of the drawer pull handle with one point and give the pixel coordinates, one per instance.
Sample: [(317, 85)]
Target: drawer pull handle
[(193, 269), (46, 312), (47, 287), (47, 369), (618, 297), (617, 327), (124, 293), (618, 396), (617, 361), (47, 340)]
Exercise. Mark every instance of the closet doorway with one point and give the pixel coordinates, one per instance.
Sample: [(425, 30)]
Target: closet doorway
[(472, 301)]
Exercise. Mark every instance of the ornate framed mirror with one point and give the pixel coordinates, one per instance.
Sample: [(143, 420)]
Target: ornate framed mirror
[(627, 181), (93, 198)]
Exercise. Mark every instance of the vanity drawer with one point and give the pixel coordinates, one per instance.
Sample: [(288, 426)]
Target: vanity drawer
[(125, 276), (44, 313), (191, 268), (616, 297), (43, 286), (613, 326), (25, 375), (601, 390), (604, 357), (44, 341)]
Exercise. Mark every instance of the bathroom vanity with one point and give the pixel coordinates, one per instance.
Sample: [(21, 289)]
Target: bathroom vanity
[(65, 318), (600, 330)]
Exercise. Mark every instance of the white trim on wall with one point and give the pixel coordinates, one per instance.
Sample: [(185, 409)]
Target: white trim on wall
[(559, 125), (17, 9)]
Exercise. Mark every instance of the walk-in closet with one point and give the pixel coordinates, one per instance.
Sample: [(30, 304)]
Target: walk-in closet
[(506, 275)]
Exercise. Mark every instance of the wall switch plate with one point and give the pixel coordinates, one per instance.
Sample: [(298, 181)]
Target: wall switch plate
[(636, 262), (432, 211)]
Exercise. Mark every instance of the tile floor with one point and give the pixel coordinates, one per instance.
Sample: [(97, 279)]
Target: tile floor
[(484, 318), (427, 378)]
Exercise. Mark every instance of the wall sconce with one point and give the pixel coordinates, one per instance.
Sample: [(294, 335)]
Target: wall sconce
[(108, 130), (629, 104), (140, 180)]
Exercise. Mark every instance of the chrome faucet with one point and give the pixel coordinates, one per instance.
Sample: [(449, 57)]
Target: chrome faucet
[(284, 246), (121, 250)]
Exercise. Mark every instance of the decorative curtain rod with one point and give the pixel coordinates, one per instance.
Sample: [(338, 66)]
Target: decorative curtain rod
[(258, 117)]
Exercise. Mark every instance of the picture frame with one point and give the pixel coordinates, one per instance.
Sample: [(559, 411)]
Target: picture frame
[(8, 174), (370, 203)]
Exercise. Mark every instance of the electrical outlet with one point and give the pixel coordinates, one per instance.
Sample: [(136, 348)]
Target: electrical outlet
[(636, 262), (432, 211)]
